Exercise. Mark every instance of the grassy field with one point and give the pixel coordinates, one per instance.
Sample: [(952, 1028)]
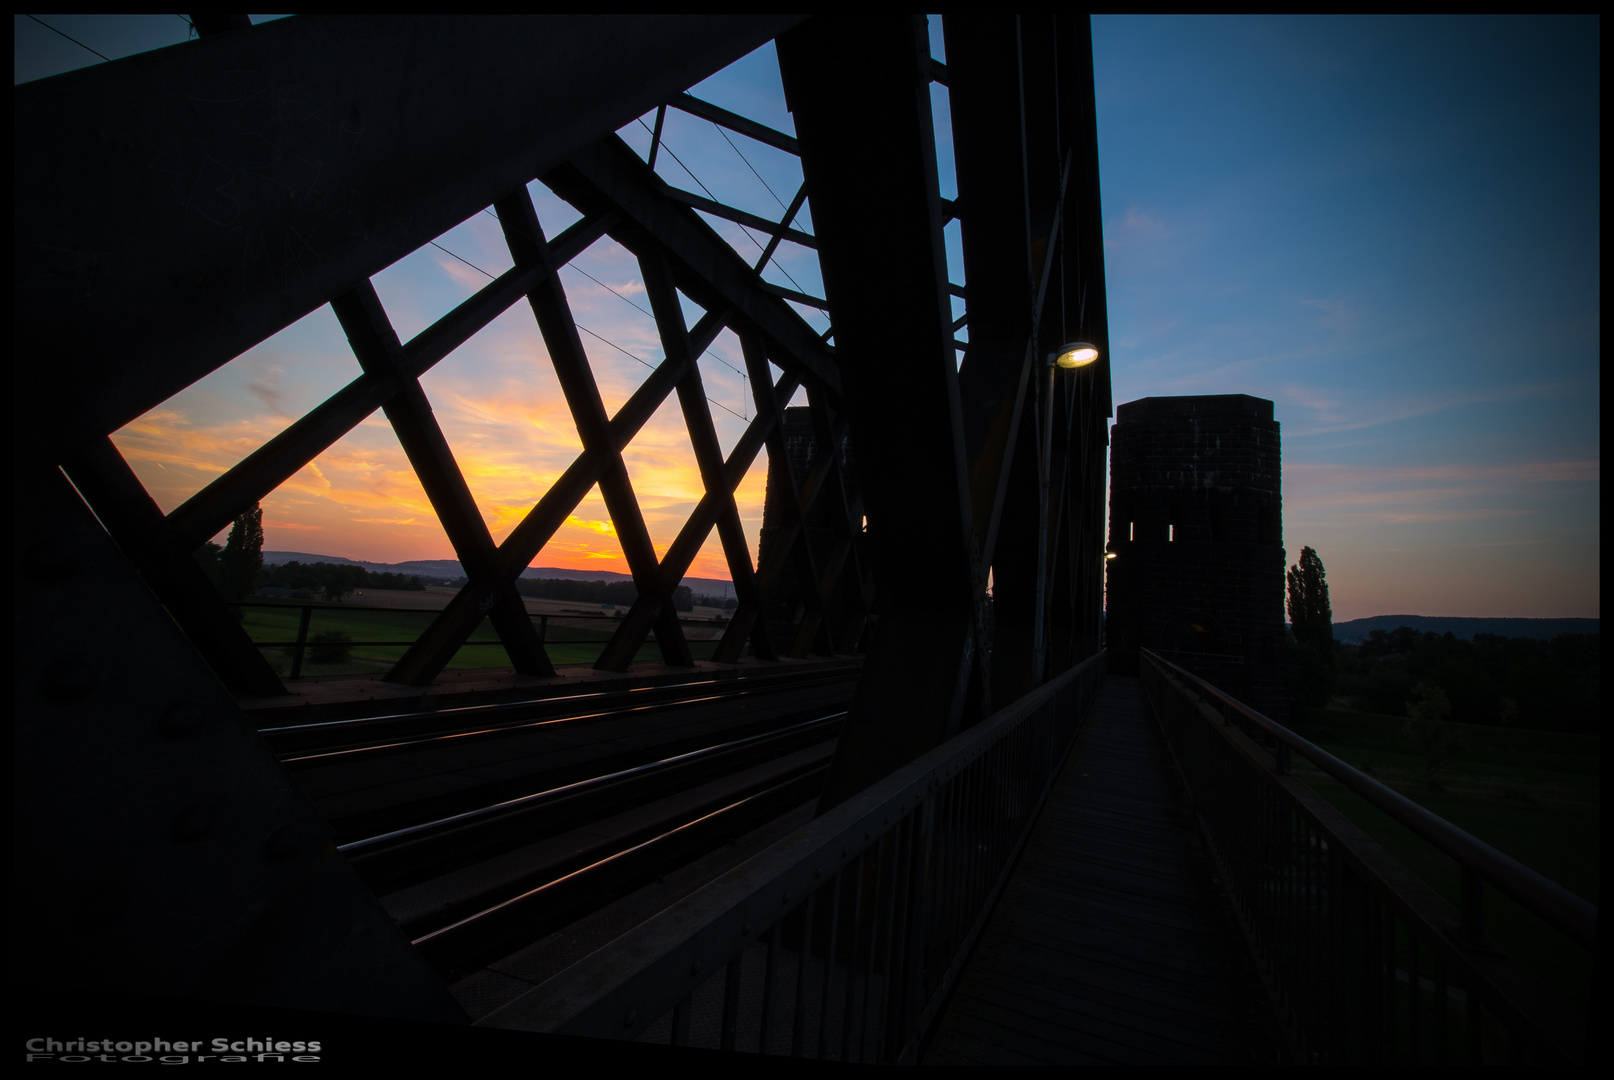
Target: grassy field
[(1532, 795), (572, 635)]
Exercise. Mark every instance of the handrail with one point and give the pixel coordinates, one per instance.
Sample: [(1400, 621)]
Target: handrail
[(1575, 917), (881, 857), (1344, 935)]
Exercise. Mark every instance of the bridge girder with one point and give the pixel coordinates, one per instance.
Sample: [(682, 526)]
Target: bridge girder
[(176, 208)]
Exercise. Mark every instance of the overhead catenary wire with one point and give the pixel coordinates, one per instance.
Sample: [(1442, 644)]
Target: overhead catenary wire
[(715, 199), (713, 353), (753, 169), (69, 37), (586, 330)]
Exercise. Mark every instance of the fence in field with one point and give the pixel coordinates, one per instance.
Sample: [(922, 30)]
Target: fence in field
[(1365, 962), (553, 628)]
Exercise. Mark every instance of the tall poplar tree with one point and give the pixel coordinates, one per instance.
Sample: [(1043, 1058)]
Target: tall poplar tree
[(242, 559), (1309, 612), (1312, 621)]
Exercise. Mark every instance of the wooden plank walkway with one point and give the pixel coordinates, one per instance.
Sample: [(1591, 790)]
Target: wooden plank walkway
[(1109, 944)]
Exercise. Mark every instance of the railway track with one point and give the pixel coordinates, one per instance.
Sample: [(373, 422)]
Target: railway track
[(481, 830)]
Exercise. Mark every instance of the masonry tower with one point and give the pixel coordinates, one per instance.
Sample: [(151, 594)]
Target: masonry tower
[(1196, 527)]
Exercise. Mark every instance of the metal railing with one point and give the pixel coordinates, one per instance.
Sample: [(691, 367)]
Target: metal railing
[(1364, 961), (841, 941)]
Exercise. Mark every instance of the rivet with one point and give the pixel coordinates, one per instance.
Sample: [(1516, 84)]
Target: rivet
[(281, 845), (68, 679), (51, 559), (695, 968), (745, 928), (102, 904), (180, 719), (192, 823), (632, 1015)]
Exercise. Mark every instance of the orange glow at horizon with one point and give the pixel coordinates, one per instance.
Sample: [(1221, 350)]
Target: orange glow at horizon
[(361, 500)]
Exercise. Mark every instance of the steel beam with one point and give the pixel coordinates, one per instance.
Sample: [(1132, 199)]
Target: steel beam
[(717, 505), (135, 522), (176, 207), (741, 217), (426, 658), (159, 847), (607, 176), (202, 515), (380, 354), (742, 125), (858, 86), (526, 240)]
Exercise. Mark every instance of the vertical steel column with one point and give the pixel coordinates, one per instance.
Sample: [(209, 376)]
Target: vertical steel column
[(859, 89)]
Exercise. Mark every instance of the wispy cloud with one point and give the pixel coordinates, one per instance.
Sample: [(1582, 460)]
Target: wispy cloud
[(269, 395), (1426, 494), (1338, 314), (1332, 414)]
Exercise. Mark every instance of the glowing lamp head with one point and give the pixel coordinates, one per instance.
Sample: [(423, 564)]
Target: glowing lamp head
[(1076, 354)]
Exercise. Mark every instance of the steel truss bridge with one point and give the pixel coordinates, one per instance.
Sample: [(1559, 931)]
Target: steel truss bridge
[(175, 209)]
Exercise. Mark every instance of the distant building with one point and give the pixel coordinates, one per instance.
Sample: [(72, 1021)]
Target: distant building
[(1196, 527)]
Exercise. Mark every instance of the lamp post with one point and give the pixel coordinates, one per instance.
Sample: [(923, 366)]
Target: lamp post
[(1073, 354)]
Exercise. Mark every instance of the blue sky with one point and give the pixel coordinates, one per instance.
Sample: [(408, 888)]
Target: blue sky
[(1388, 226)]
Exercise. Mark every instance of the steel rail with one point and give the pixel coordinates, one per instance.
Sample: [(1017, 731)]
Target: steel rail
[(1566, 912), (472, 933), (898, 826), (480, 717), (525, 703), (508, 806)]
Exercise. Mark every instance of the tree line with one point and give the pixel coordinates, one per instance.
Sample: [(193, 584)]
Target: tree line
[(237, 571), (1551, 685), (237, 568), (622, 593)]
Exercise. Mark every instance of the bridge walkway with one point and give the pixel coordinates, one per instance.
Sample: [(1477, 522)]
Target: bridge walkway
[(1109, 943)]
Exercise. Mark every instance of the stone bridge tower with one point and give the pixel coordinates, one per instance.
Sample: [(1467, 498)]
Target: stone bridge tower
[(1196, 528)]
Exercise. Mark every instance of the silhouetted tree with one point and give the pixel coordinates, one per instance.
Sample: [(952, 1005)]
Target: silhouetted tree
[(1311, 620), (242, 559), (1309, 613), (207, 557), (340, 579)]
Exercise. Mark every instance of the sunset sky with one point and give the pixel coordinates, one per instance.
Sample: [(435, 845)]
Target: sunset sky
[(1387, 226)]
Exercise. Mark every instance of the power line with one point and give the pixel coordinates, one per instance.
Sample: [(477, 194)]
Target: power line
[(75, 40)]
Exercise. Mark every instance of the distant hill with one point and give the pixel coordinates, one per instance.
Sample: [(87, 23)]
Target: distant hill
[(450, 568), (1359, 629)]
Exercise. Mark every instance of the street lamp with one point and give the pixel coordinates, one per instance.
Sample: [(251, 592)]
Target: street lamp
[(1076, 354)]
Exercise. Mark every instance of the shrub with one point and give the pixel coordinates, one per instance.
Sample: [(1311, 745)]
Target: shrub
[(330, 647)]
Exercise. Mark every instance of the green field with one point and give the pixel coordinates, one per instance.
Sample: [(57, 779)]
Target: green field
[(1532, 795), (565, 644)]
